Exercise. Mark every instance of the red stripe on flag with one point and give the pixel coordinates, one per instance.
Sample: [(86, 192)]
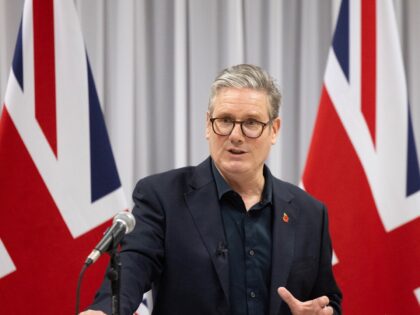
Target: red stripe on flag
[(44, 63), (368, 60)]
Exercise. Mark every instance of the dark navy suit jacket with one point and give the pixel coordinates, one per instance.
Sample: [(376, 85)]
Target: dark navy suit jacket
[(175, 247)]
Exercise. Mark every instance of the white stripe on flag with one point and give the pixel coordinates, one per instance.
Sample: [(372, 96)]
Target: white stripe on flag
[(417, 294), (6, 263), (334, 258)]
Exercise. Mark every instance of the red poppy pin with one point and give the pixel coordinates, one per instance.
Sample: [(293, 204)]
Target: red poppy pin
[(285, 217)]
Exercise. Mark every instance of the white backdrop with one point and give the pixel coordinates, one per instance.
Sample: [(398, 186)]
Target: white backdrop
[(154, 61)]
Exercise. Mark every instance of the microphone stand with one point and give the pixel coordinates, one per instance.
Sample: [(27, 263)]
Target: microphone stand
[(114, 275)]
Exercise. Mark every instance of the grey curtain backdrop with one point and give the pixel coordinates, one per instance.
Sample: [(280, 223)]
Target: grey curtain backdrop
[(154, 60)]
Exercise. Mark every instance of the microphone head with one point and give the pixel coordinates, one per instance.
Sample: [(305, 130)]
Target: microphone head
[(127, 219)]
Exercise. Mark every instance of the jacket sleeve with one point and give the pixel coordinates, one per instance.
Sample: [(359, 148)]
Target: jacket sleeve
[(142, 253)]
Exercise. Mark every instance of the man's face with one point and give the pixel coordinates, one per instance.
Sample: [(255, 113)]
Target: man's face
[(237, 155)]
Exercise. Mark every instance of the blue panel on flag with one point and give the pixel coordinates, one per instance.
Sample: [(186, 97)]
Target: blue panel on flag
[(341, 38), (17, 64), (413, 173), (104, 175)]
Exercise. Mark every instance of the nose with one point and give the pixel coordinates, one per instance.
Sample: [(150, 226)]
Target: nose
[(236, 134)]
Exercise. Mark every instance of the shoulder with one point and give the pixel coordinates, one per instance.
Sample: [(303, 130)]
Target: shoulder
[(177, 179), (167, 179)]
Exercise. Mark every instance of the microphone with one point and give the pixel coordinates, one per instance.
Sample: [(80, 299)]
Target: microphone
[(122, 224), (222, 249)]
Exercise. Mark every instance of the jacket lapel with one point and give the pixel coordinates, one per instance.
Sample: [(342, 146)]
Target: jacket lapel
[(284, 220), (203, 204)]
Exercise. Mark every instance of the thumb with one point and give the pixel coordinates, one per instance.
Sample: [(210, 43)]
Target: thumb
[(286, 296)]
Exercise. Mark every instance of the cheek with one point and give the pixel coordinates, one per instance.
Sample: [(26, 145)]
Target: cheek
[(211, 140), (216, 145), (262, 150)]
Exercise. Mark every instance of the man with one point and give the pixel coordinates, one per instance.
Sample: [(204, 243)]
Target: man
[(226, 237)]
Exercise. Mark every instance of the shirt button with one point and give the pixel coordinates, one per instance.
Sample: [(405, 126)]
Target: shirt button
[(252, 294), (251, 252)]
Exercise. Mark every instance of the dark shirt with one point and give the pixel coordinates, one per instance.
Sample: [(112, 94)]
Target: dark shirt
[(248, 236)]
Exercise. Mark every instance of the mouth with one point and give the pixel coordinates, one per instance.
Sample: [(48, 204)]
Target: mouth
[(236, 151)]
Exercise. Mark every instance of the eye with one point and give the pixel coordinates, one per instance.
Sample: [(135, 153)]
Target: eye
[(251, 123), (225, 120)]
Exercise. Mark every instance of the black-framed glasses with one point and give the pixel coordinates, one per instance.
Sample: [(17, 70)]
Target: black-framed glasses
[(251, 128)]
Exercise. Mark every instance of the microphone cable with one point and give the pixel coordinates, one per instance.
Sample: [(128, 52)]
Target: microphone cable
[(79, 284)]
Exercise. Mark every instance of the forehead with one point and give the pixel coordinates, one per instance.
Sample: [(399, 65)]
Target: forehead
[(241, 100)]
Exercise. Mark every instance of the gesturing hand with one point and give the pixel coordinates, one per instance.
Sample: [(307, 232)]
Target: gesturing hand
[(318, 306)]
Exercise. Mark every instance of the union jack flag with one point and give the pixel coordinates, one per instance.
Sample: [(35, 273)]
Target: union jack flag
[(363, 163), (58, 178)]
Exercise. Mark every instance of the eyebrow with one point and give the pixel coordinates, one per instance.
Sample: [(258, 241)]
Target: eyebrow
[(246, 117)]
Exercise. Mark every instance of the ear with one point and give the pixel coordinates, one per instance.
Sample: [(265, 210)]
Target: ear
[(275, 128), (208, 125)]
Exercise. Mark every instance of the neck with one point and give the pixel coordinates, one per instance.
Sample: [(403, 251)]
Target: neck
[(250, 187)]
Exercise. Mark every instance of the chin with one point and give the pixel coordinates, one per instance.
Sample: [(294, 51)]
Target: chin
[(235, 167)]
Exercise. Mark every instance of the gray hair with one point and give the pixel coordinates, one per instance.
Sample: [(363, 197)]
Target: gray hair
[(247, 76)]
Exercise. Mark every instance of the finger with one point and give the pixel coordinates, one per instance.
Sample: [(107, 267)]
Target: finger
[(328, 310), (286, 296), (322, 301)]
